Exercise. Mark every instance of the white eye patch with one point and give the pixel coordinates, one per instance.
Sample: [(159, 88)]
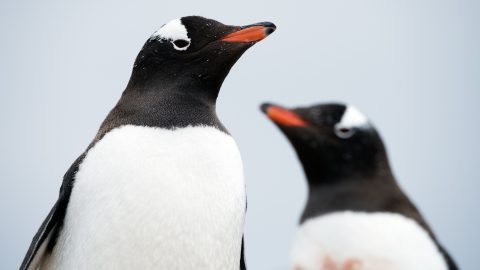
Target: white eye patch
[(174, 32), (351, 118)]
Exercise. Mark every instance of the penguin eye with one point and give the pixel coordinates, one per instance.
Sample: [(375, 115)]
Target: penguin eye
[(344, 132), (181, 44)]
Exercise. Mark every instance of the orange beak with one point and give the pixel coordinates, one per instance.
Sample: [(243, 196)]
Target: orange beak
[(283, 116), (251, 33)]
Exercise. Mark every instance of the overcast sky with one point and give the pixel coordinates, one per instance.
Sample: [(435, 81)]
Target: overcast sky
[(412, 66)]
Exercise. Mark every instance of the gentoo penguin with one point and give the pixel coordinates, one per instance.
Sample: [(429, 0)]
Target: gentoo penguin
[(161, 186), (356, 216)]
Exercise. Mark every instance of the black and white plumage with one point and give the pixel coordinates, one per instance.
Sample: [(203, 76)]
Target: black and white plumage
[(356, 216), (161, 186)]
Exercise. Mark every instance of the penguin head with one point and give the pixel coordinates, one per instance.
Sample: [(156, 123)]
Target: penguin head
[(332, 140), (194, 52)]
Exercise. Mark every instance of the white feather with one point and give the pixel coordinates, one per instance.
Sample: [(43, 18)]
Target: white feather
[(151, 198), (352, 117), (172, 31), (370, 241)]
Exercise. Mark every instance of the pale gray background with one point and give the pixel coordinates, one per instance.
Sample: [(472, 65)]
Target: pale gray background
[(412, 66)]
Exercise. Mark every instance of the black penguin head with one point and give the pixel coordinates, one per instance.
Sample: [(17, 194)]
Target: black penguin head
[(332, 141), (193, 52)]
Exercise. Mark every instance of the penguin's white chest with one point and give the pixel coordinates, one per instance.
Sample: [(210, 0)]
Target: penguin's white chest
[(150, 198), (364, 241)]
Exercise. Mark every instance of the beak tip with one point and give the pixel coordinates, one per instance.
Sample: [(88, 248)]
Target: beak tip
[(281, 116), (264, 107), (269, 30), (251, 33), (269, 27)]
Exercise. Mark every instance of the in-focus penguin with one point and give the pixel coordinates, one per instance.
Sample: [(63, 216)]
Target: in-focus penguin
[(161, 186), (356, 215)]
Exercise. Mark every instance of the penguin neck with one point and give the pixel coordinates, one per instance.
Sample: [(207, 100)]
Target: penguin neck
[(171, 81), (321, 173), (163, 105)]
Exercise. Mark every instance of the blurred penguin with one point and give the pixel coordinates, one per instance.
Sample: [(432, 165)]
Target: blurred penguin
[(356, 217)]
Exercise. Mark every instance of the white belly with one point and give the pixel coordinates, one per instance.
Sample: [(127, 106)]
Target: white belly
[(364, 241), (150, 198)]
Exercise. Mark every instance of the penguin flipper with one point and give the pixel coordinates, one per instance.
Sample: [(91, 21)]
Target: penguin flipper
[(450, 262), (242, 257), (44, 240), (38, 247)]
